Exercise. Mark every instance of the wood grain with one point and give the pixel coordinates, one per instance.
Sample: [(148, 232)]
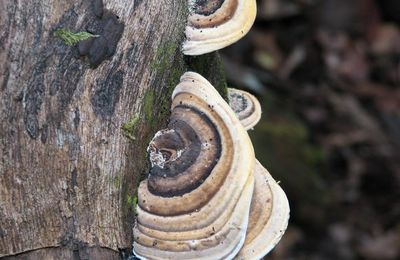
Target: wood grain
[(67, 172)]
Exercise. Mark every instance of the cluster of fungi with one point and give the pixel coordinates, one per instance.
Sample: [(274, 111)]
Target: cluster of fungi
[(207, 196)]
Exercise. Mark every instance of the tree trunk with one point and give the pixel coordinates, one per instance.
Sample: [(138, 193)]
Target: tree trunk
[(75, 121)]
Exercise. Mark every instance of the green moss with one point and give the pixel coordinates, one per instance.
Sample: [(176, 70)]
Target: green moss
[(168, 65), (128, 128), (211, 67), (148, 103), (162, 59), (175, 74), (70, 38), (169, 50), (132, 201), (116, 181)]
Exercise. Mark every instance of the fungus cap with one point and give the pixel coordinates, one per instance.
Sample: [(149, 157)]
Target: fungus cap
[(196, 201), (215, 24), (269, 216), (269, 212), (246, 107)]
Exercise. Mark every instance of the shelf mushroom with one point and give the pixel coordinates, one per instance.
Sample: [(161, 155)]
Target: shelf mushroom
[(269, 212), (215, 24), (195, 203), (206, 196), (269, 216), (246, 107)]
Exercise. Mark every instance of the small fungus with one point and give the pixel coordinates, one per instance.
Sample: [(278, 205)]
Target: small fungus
[(269, 216), (246, 107), (269, 211), (215, 24)]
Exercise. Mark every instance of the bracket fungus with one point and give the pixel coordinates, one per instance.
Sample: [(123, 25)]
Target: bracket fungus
[(195, 203), (215, 24), (269, 216), (206, 196), (269, 211), (246, 107)]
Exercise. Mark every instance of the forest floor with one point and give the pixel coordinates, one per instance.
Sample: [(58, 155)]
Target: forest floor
[(328, 75)]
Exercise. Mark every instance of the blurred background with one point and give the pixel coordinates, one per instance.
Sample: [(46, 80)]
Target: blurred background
[(327, 73)]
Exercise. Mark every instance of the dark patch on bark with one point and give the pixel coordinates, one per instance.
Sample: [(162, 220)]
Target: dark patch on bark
[(77, 117), (44, 133), (98, 51), (84, 46), (98, 21), (5, 81), (74, 176), (37, 15), (126, 254), (98, 8), (137, 3), (19, 97), (32, 125), (65, 85), (68, 69), (76, 255), (74, 144), (7, 23), (131, 54), (110, 29), (79, 249), (33, 99), (106, 94), (54, 87), (67, 90)]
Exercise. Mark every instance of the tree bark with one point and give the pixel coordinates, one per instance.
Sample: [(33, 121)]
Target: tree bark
[(75, 121)]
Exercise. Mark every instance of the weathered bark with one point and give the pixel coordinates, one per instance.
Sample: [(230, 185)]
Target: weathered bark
[(74, 129)]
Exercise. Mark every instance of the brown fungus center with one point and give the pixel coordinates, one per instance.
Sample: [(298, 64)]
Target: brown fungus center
[(207, 7), (184, 155), (212, 13)]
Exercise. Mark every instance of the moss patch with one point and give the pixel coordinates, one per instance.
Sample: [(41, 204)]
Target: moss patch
[(70, 38), (210, 66), (163, 57), (116, 181), (168, 66), (132, 201), (148, 103), (128, 128)]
